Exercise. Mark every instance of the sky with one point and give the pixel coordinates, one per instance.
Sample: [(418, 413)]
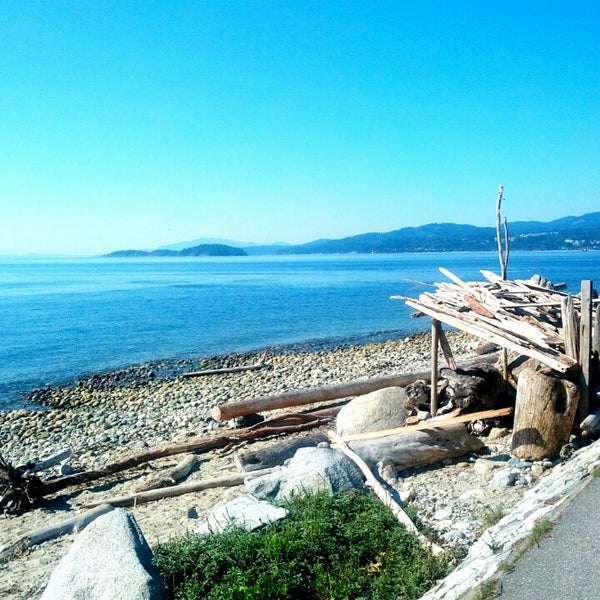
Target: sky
[(139, 124)]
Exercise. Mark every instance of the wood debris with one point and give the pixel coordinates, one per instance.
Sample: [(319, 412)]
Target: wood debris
[(517, 315)]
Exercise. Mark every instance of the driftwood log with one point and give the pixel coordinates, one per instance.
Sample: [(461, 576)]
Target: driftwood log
[(545, 411), (418, 446), (275, 427), (179, 490), (38, 536), (312, 395), (259, 365), (170, 476)]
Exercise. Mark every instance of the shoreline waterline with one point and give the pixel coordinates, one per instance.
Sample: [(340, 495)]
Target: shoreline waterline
[(22, 396), (106, 416)]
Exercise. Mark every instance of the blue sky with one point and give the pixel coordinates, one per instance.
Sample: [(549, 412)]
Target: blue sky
[(138, 124)]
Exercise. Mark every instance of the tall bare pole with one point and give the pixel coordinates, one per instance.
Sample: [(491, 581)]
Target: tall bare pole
[(503, 252)]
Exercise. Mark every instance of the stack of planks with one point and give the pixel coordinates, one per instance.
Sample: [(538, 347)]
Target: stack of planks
[(517, 315)]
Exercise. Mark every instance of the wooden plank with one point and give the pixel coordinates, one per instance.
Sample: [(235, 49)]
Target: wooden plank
[(596, 335), (433, 400), (585, 348), (557, 361), (446, 350), (432, 423), (570, 328)]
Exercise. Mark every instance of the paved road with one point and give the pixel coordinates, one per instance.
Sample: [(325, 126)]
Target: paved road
[(566, 564)]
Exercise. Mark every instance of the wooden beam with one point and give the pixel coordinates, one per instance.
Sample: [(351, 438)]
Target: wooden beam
[(432, 424), (585, 348), (433, 402)]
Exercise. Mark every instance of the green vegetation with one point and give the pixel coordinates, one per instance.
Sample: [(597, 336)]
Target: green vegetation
[(342, 547), (540, 529), (491, 516)]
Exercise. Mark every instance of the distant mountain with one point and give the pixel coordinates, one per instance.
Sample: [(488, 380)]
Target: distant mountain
[(200, 250), (206, 242), (567, 233)]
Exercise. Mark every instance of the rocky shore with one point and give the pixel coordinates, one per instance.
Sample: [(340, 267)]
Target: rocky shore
[(108, 417)]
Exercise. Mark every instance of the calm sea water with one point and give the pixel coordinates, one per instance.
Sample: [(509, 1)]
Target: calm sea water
[(62, 319)]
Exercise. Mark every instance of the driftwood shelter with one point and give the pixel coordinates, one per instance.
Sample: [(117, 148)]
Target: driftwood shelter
[(558, 331)]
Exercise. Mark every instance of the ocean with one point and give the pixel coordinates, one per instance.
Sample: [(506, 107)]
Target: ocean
[(61, 319)]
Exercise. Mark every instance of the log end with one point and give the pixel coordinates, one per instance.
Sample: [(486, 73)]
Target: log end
[(216, 414)]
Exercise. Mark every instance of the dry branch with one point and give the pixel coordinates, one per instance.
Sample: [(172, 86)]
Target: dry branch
[(171, 476), (180, 490), (281, 425), (381, 492), (38, 536)]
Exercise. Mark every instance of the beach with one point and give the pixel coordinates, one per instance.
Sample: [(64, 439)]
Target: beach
[(108, 417)]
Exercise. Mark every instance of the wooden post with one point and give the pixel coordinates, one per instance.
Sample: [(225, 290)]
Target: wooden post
[(435, 325), (596, 335), (585, 348), (570, 327)]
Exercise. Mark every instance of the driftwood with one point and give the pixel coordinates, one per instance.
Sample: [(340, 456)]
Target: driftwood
[(46, 463), (259, 365), (276, 454), (38, 536), (275, 427), (381, 492), (171, 476), (516, 315), (179, 490), (418, 446), (313, 395), (443, 421), (544, 414)]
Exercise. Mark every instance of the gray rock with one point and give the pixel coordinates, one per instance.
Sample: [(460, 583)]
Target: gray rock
[(246, 512), (309, 471), (109, 560), (379, 410), (503, 479)]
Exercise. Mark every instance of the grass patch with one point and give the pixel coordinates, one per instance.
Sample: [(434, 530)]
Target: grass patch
[(347, 546), (491, 516), (540, 529)]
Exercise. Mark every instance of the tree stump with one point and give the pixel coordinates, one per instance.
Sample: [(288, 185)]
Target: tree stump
[(544, 414)]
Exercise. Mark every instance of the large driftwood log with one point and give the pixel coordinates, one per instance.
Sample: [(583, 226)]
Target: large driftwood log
[(381, 492), (38, 536), (276, 454), (417, 447), (545, 410), (312, 395), (179, 490)]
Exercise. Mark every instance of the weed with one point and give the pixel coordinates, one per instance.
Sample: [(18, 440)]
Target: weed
[(491, 516), (596, 471), (335, 547), (488, 589), (540, 529)]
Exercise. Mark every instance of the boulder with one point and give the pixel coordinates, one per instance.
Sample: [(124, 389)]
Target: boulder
[(246, 512), (309, 471), (109, 560), (379, 410)]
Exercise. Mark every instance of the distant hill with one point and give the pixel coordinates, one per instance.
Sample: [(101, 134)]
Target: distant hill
[(567, 233), (201, 250), (205, 242)]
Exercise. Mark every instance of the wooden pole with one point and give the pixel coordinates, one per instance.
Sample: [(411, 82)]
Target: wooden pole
[(230, 410), (585, 348), (596, 335), (433, 405), (179, 490)]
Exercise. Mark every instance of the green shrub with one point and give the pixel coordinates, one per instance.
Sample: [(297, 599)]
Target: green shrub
[(342, 547)]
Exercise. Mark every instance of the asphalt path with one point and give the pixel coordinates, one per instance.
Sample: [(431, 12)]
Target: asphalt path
[(565, 565)]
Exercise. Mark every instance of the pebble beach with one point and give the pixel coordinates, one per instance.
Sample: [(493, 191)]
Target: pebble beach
[(107, 417)]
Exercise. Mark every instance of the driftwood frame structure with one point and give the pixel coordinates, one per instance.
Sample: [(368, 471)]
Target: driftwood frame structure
[(553, 327)]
